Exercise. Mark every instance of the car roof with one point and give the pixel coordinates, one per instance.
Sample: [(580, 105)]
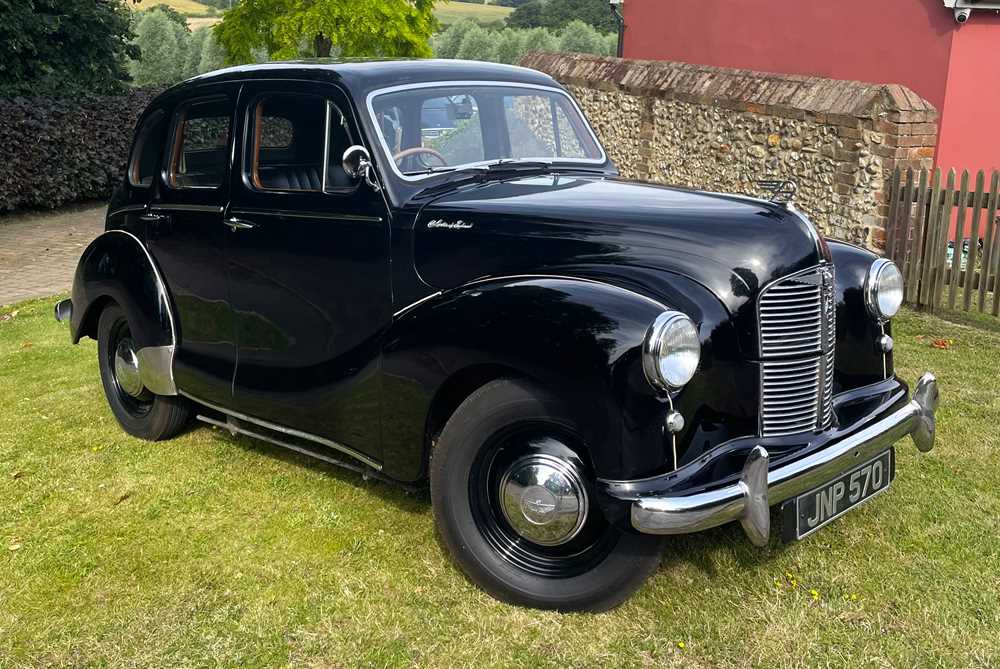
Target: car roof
[(363, 76)]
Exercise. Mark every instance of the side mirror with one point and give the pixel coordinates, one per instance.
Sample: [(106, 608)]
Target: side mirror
[(357, 163)]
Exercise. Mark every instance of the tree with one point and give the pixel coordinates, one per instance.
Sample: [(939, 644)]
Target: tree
[(539, 39), (478, 44), (293, 28), (195, 45), (161, 50), (529, 15), (559, 13), (510, 46), (213, 56), (55, 47), (172, 14), (447, 43), (580, 37)]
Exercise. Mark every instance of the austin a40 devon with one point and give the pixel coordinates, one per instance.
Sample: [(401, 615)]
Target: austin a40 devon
[(430, 271)]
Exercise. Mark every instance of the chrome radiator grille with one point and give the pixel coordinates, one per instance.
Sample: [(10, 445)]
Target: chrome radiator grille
[(796, 317)]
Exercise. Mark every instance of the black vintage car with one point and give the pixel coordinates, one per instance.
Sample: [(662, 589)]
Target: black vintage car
[(577, 364)]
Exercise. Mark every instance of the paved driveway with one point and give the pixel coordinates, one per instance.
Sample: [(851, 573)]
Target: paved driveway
[(39, 251)]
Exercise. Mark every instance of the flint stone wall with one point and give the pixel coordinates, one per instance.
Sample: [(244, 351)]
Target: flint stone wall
[(724, 130)]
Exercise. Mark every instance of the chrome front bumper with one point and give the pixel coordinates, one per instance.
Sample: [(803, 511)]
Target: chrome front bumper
[(749, 499)]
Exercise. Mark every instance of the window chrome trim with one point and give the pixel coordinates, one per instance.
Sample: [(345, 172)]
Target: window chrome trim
[(292, 432), (384, 145)]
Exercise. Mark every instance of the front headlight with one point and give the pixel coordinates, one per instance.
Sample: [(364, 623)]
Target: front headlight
[(671, 351), (883, 289)]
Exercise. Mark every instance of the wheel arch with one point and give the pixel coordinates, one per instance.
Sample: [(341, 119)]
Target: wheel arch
[(575, 338)]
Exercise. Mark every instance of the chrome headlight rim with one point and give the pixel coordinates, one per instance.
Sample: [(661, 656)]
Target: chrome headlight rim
[(652, 351), (872, 288)]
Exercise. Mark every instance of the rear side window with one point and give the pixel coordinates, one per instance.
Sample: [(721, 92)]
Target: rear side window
[(296, 144), (146, 152), (200, 152)]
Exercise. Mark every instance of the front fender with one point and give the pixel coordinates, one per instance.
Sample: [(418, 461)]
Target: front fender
[(859, 360), (578, 338), (117, 267)]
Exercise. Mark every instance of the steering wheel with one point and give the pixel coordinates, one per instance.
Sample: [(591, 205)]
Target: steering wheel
[(419, 150)]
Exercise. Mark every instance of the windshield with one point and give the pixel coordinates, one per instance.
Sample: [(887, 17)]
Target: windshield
[(428, 129)]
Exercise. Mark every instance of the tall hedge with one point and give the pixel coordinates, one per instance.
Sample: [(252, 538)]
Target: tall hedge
[(63, 150)]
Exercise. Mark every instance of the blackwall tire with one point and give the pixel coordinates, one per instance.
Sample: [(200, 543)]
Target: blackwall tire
[(147, 416), (599, 572)]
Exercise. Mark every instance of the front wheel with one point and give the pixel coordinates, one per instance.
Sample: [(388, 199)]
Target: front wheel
[(513, 497), (140, 413)]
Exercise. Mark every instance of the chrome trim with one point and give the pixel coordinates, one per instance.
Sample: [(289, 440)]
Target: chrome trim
[(871, 283), (650, 356), (326, 144), (544, 498), (563, 277), (318, 215), (156, 369), (128, 209), (192, 208), (413, 304), (346, 450), (64, 310), (384, 146), (745, 499)]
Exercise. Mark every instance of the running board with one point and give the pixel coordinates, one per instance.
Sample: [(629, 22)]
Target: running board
[(233, 426)]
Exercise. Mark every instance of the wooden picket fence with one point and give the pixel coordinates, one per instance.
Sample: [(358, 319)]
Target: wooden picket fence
[(919, 239)]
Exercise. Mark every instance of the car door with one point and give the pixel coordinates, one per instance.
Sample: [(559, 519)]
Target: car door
[(308, 267), (185, 234)]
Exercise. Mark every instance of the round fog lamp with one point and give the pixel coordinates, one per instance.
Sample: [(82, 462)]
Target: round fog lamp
[(671, 351), (883, 289)]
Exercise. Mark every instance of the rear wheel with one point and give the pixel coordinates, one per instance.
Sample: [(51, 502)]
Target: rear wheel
[(140, 413), (513, 497)]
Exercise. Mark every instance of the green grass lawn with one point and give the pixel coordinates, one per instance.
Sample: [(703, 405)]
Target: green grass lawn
[(211, 550)]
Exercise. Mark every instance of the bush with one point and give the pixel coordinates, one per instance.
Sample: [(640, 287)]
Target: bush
[(578, 37), (478, 44), (65, 150), (510, 46), (447, 43)]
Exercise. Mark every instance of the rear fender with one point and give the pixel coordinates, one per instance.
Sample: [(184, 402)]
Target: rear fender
[(577, 338), (117, 267)]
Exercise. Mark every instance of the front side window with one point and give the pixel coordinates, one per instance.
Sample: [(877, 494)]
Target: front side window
[(437, 128), (297, 143), (200, 145)]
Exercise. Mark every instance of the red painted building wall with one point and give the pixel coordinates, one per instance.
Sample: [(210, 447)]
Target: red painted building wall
[(916, 43)]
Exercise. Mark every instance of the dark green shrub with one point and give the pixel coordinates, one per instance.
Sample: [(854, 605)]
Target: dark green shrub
[(60, 150)]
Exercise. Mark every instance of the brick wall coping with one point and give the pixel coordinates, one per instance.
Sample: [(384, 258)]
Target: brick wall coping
[(789, 95)]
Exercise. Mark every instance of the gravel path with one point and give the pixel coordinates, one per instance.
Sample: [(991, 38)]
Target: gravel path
[(39, 251)]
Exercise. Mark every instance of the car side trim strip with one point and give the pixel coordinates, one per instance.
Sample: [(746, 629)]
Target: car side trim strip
[(346, 450), (325, 216)]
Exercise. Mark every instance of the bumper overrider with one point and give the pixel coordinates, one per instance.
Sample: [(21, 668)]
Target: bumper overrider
[(759, 487)]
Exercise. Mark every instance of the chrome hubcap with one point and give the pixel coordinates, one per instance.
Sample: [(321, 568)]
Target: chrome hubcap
[(544, 499), (127, 368)]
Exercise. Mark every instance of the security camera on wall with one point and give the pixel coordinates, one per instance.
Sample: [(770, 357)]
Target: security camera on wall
[(963, 8)]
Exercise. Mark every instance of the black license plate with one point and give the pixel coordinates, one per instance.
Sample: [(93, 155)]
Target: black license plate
[(807, 513)]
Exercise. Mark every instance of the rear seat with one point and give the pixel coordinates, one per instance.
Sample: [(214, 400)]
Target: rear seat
[(302, 177)]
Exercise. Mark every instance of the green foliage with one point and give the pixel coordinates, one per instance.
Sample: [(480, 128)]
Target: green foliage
[(557, 14), (59, 150), (195, 45), (447, 43), (171, 14), (63, 48), (162, 46), (579, 37), (478, 44), (213, 56), (529, 15), (294, 28), (468, 40), (510, 46), (539, 39)]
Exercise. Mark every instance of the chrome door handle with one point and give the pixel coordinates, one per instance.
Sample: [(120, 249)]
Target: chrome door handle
[(235, 224), (153, 218)]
